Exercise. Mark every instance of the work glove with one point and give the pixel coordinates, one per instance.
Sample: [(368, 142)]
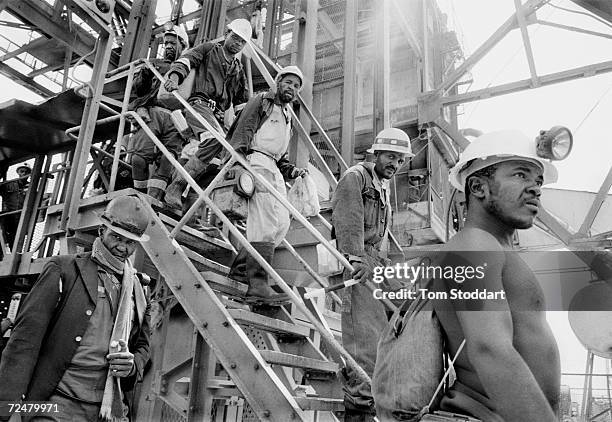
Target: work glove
[(121, 363), (298, 172)]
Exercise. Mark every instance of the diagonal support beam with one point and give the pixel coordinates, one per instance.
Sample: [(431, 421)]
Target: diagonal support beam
[(25, 81), (597, 203), (528, 8), (38, 42), (413, 41), (552, 78), (526, 42), (39, 15)]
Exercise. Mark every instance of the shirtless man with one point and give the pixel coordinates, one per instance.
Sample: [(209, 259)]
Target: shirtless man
[(509, 369)]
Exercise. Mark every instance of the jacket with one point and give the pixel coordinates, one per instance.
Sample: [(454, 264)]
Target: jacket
[(146, 85), (250, 120), (49, 325), (360, 217), (215, 80)]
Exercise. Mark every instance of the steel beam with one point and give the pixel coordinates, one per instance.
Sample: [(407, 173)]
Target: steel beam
[(87, 128), (305, 30), (552, 78), (38, 42), (573, 28), (25, 81), (39, 15), (528, 8), (349, 88), (380, 103), (596, 205), (138, 36), (526, 42)]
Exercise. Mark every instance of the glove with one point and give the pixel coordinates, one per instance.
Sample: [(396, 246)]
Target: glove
[(298, 172)]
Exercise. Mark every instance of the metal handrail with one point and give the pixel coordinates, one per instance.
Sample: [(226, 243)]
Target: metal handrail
[(297, 301)]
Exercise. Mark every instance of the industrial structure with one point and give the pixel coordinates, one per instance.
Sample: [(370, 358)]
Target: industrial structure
[(368, 64)]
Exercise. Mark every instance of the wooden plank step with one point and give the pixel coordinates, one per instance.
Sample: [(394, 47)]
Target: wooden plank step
[(268, 324), (321, 404), (295, 361)]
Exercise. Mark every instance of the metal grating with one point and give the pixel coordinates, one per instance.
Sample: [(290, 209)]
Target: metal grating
[(168, 414)]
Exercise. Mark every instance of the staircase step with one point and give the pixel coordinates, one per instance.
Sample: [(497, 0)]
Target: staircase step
[(224, 284), (269, 324), (295, 361), (321, 404)]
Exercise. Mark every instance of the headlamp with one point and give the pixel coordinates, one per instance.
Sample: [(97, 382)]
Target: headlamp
[(555, 143), (246, 184)]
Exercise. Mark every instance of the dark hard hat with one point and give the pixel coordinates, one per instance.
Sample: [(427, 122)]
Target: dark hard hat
[(127, 216)]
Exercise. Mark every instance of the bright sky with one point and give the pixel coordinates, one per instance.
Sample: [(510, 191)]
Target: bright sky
[(583, 105)]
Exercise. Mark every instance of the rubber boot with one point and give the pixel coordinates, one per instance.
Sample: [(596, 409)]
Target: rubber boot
[(175, 190), (259, 290), (238, 271), (156, 193)]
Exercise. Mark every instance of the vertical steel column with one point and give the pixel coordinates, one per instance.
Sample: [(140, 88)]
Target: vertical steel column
[(271, 18), (305, 30), (380, 103), (427, 85), (138, 36), (202, 370), (121, 131), (221, 19), (349, 89), (88, 124)]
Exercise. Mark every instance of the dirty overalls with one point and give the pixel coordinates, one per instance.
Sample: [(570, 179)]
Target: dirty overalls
[(268, 220), (363, 317)]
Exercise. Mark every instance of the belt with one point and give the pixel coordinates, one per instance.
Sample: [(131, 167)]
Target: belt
[(211, 104)]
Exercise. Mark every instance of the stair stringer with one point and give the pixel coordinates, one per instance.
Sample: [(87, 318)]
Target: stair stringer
[(253, 376)]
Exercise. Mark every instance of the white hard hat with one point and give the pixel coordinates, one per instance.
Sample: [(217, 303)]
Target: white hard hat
[(392, 139), (496, 147), (289, 70), (242, 28), (178, 32)]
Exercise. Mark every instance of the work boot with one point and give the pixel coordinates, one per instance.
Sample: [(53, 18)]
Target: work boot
[(156, 193), (351, 415), (195, 222), (238, 271), (259, 290), (175, 190)]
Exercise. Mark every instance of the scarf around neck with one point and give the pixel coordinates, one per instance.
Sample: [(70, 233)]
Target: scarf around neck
[(103, 257)]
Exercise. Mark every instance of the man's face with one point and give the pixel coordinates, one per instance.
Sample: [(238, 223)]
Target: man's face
[(388, 163), (120, 246), (233, 43), (288, 88), (514, 193), (22, 172), (172, 47)]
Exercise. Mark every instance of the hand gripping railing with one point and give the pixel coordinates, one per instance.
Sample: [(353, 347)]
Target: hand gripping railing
[(240, 159), (297, 301)]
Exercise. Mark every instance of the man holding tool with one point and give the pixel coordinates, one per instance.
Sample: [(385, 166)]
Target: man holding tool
[(361, 222)]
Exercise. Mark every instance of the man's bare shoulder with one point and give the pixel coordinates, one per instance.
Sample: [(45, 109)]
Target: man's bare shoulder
[(473, 239)]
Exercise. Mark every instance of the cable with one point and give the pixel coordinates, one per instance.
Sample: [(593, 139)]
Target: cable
[(593, 108), (80, 61), (578, 12)]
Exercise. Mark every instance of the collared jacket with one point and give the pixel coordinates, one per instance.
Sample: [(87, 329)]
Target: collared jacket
[(146, 85), (50, 325), (215, 79), (360, 216), (250, 120)]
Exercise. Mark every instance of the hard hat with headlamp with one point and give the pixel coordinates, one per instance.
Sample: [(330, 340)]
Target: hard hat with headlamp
[(177, 31), (392, 139), (496, 147), (242, 28), (25, 167)]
